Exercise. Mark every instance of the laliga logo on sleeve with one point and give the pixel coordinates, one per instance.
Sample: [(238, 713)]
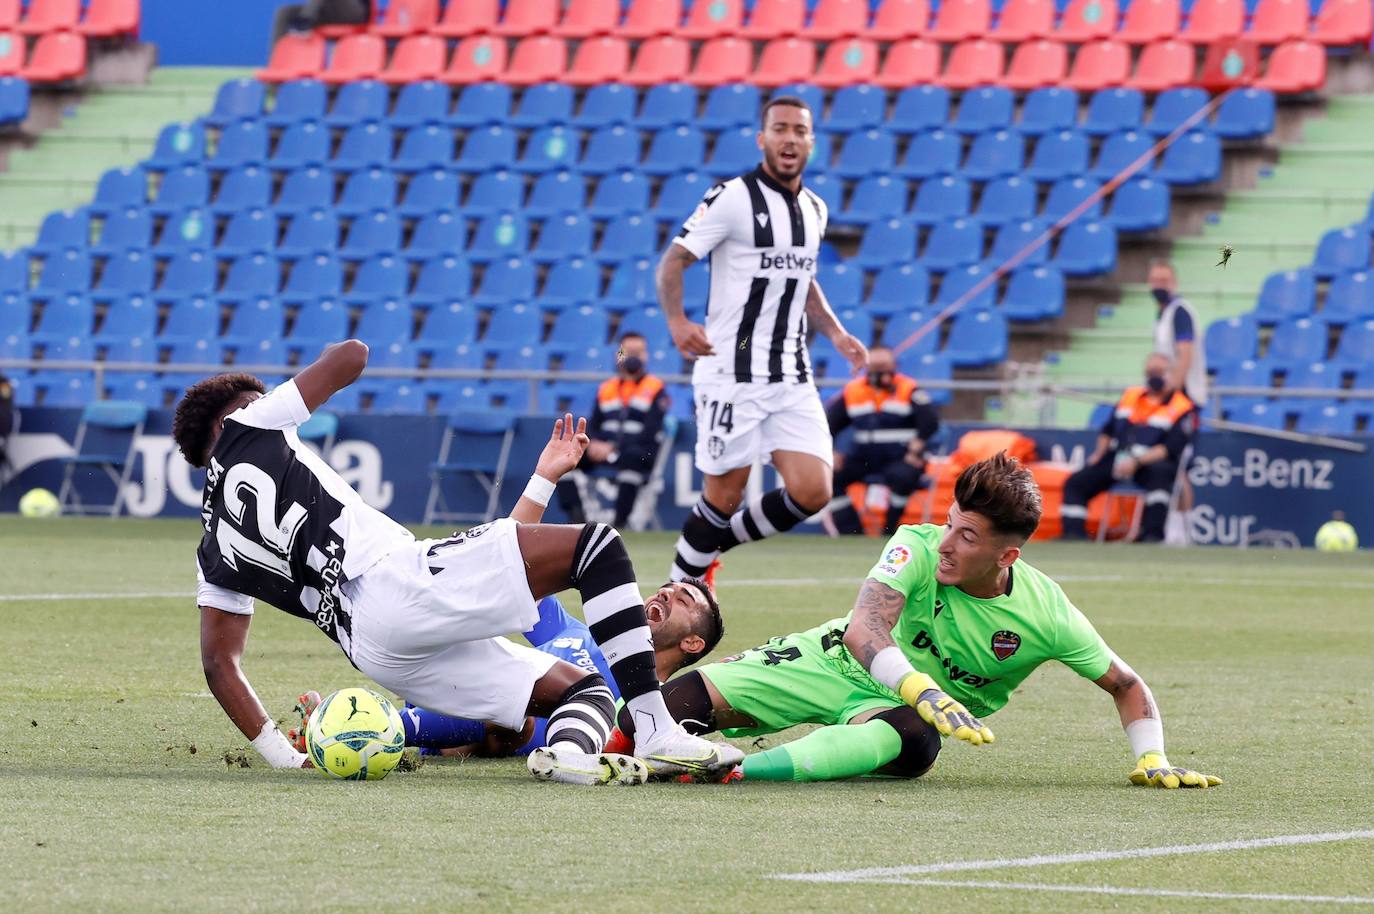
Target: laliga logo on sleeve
[(1005, 643), (894, 559)]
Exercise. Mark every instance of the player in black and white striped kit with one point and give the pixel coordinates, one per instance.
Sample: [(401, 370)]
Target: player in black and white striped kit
[(752, 382)]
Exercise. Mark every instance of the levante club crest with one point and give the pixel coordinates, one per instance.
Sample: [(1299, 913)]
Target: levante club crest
[(1005, 643)]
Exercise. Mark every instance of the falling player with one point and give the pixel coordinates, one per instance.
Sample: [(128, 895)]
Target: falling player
[(752, 382), (422, 618)]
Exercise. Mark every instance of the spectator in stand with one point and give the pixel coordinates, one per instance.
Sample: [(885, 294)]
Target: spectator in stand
[(302, 17), (1178, 334)]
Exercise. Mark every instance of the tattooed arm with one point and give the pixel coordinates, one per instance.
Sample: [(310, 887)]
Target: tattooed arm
[(875, 615), (1132, 696), (1145, 730)]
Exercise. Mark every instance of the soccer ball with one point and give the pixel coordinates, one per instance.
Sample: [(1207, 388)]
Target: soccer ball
[(355, 734), (1337, 536), (39, 503)]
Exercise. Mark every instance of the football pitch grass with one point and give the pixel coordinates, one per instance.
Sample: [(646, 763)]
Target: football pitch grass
[(115, 793)]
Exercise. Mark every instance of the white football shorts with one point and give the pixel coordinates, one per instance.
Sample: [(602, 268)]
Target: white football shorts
[(740, 423)]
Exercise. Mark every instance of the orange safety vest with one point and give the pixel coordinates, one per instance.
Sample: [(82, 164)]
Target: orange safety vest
[(881, 417), (621, 393), (1143, 421)]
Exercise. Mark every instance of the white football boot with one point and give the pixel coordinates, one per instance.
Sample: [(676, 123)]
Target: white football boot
[(568, 766), (675, 752)]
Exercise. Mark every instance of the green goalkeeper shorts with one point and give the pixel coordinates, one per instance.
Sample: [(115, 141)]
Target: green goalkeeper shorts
[(806, 678)]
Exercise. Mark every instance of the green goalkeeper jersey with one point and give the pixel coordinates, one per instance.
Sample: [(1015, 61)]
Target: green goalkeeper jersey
[(980, 650)]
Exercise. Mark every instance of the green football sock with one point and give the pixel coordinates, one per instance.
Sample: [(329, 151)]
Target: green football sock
[(827, 754)]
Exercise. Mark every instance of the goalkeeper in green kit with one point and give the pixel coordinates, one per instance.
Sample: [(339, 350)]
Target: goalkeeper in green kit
[(947, 625)]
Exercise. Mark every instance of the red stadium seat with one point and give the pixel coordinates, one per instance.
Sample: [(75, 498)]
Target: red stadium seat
[(356, 57), (10, 14), (775, 19), (1215, 20), (959, 20), (647, 18), (11, 53), (585, 18), (1164, 65), (295, 56), (1037, 63), (713, 19), (108, 18), (898, 19), (1087, 20), (973, 63), (1277, 21), (838, 19), (57, 56), (1022, 20), (537, 59), (417, 58), (666, 59), (847, 62), (785, 60), (528, 17), (1343, 22), (1100, 65), (599, 60), (723, 60), (469, 17), (407, 17), (478, 58), (1150, 20), (909, 63), (50, 16), (1230, 64), (1299, 66)]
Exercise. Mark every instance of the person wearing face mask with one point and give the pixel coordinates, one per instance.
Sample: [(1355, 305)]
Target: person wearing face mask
[(892, 420), (624, 431), (1142, 441), (1177, 334)]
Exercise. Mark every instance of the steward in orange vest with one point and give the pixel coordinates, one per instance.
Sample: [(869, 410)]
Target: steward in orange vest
[(1141, 442)]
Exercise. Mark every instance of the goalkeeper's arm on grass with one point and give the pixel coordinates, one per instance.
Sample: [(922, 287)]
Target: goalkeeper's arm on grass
[(1145, 730)]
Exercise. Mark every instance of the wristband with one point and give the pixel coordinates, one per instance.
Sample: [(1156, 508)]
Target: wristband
[(274, 748), (1146, 735), (890, 667), (539, 490)]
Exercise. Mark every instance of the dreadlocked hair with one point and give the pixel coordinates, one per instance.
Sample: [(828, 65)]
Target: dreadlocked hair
[(202, 404)]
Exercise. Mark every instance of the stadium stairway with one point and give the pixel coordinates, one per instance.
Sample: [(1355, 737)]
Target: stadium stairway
[(1321, 178), (107, 126)]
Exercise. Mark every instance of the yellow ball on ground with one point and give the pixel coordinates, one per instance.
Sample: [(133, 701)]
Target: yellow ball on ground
[(39, 503), (355, 734), (1337, 536)]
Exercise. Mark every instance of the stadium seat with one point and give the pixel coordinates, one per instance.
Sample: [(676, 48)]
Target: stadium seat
[(934, 152), (60, 230), (1175, 106), (429, 192), (835, 19), (893, 241), (1114, 110), (452, 322), (606, 105), (977, 337), (896, 20), (1037, 64), (875, 197), (541, 105), (667, 104), (377, 232), (494, 192), (952, 244), (110, 18), (296, 55), (306, 189), (1140, 205), (1163, 65), (730, 105), (1014, 237), (471, 17), (674, 149), (842, 283), (427, 102), (848, 62), (1297, 66), (785, 60), (1350, 298), (861, 107), (1356, 346), (118, 189), (181, 187), (1341, 250), (1297, 341), (1024, 20), (960, 20), (911, 62), (1006, 199), (566, 235), (1058, 155), (723, 60), (355, 57), (1210, 21), (249, 231), (1343, 22), (1233, 339), (486, 148), (235, 100), (64, 388), (477, 58), (11, 53), (125, 284), (46, 16), (661, 60), (365, 145), (648, 19), (679, 195), (599, 60), (1245, 114), (416, 58), (243, 142), (385, 319), (1033, 294), (630, 236), (556, 192), (1087, 249), (303, 144), (982, 109), (188, 229), (367, 189), (899, 288), (189, 273), (130, 227), (499, 236), (868, 152), (1328, 418), (1195, 158), (1290, 293), (529, 17), (1261, 415), (537, 59), (620, 193), (571, 281), (1119, 151), (771, 19), (515, 324), (993, 154), (588, 19), (14, 100), (1087, 20), (407, 17), (1099, 65), (611, 149), (973, 63), (959, 285), (1277, 21), (318, 275), (359, 102), (320, 321), (1147, 21), (1321, 375), (631, 283), (443, 278), (64, 316), (919, 108), (177, 144), (250, 276), (549, 149)]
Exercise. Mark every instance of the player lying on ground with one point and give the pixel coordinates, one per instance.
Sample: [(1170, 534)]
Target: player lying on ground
[(946, 627), (423, 619), (684, 622)]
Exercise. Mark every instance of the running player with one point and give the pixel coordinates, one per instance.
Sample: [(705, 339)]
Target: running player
[(946, 627), (752, 383), (423, 619)]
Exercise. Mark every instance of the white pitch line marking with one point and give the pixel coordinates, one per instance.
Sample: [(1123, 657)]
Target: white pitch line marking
[(882, 872), (726, 581), (148, 595), (1116, 890)]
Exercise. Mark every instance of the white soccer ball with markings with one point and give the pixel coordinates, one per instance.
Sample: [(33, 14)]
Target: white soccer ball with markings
[(355, 734)]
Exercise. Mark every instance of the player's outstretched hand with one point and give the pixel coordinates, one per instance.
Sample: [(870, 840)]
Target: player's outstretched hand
[(565, 448), (1153, 770), (853, 349), (690, 338)]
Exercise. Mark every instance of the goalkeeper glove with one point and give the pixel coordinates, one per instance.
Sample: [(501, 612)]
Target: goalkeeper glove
[(1153, 770), (942, 712)]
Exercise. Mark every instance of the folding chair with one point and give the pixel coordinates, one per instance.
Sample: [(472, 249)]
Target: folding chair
[(105, 439), (644, 515), (483, 451)]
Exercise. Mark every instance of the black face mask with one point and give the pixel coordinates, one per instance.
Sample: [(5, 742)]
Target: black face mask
[(1155, 383), (1163, 296), (880, 379), (632, 365)]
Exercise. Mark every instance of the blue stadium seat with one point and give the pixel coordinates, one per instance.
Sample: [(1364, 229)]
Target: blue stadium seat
[(1194, 158), (192, 316), (250, 275), (73, 347), (257, 317), (1350, 298), (15, 344), (458, 396), (826, 361), (952, 244), (941, 198), (977, 338), (486, 148), (64, 388), (68, 270), (236, 100), (1119, 150), (494, 192), (556, 192), (960, 282), (449, 323), (822, 154), (513, 396), (308, 233), (392, 398), (14, 100), (546, 103), (696, 288), (1033, 294), (814, 96), (1174, 106), (188, 185), (177, 144), (611, 149), (566, 235), (853, 108), (629, 237), (514, 324), (1233, 339), (1316, 375), (65, 316), (606, 105), (674, 149), (1048, 110), (138, 387), (983, 109), (558, 397), (932, 152), (1006, 199), (241, 143), (305, 190), (129, 316), (1087, 249), (14, 271), (379, 277), (590, 357), (313, 277), (359, 101), (648, 321), (1341, 250), (899, 288), (320, 320), (571, 281), (191, 229), (892, 241), (632, 282), (303, 143), (429, 192), (424, 148), (384, 320), (620, 193), (730, 105), (365, 145), (866, 152), (843, 284), (856, 321), (927, 367), (243, 189), (875, 197), (1066, 194), (130, 227), (1245, 114), (1297, 341), (442, 279), (377, 232), (499, 236), (918, 109), (667, 105), (427, 102), (1364, 380), (736, 152), (550, 148), (509, 279), (829, 188), (62, 229), (1328, 418), (297, 101), (1289, 293), (437, 234), (397, 354), (1058, 154), (131, 271), (1140, 205), (119, 188), (1356, 346), (1247, 372), (1113, 110), (1262, 415), (1013, 237), (187, 273)]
